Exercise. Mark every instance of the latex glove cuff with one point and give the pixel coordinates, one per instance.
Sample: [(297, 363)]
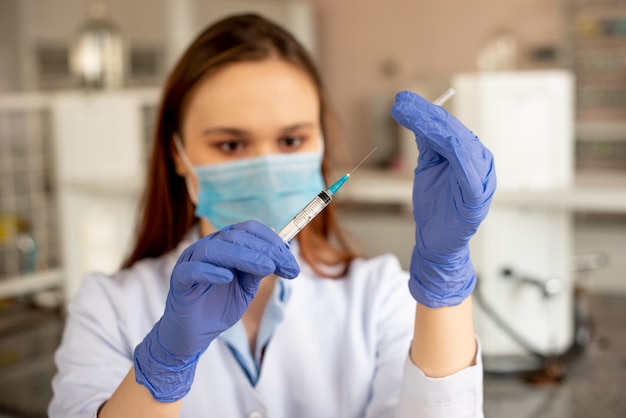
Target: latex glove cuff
[(167, 377), (441, 284)]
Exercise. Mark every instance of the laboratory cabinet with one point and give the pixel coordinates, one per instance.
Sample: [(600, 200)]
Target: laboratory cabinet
[(596, 35), (72, 166), (596, 53), (30, 259)]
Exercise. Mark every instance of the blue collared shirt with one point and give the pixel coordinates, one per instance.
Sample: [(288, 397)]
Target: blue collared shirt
[(237, 340)]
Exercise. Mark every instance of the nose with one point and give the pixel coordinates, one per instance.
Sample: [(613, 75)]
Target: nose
[(266, 146)]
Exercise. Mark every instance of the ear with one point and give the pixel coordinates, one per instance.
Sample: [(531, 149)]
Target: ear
[(179, 163)]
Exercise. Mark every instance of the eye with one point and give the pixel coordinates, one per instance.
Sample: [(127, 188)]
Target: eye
[(291, 142), (230, 147)]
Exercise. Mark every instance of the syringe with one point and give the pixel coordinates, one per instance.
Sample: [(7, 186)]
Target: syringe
[(323, 199), (315, 206)]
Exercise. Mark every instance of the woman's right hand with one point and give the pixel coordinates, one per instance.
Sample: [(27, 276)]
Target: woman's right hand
[(212, 285)]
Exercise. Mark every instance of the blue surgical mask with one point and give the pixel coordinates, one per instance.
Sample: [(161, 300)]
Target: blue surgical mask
[(270, 189)]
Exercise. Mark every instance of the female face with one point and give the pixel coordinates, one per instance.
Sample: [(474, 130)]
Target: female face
[(249, 109), (246, 110)]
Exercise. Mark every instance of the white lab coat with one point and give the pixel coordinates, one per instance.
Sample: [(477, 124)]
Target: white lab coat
[(340, 351)]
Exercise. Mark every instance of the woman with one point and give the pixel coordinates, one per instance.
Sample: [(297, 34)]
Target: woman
[(213, 315)]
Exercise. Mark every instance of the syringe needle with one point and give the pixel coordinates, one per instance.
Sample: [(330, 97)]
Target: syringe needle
[(315, 206), (363, 160), (337, 185)]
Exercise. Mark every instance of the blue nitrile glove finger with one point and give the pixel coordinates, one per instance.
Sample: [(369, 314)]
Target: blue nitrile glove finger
[(211, 286), (454, 183)]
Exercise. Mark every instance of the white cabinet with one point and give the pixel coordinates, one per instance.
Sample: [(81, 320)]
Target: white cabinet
[(101, 155), (522, 252)]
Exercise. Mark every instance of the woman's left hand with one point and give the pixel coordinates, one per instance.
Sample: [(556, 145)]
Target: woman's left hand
[(453, 186)]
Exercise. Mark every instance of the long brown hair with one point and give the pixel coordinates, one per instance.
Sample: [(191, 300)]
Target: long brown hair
[(167, 213)]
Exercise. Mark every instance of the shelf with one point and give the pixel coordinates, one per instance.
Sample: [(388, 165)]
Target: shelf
[(578, 199), (598, 194), (596, 39), (105, 188), (605, 131), (30, 283)]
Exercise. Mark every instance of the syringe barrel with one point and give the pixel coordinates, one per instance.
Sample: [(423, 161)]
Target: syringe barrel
[(302, 218)]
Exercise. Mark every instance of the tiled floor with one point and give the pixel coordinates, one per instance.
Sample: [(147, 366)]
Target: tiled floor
[(595, 383)]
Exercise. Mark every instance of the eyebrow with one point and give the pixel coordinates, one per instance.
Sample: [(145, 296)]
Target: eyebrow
[(225, 130), (295, 127), (242, 132)]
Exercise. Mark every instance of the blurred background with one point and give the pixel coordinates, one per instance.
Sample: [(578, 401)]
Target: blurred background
[(542, 82)]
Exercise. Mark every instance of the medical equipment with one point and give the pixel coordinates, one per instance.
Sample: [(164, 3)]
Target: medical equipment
[(323, 199), (315, 206)]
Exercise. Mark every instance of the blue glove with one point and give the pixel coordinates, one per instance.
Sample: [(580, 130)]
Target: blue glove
[(454, 182), (211, 286)]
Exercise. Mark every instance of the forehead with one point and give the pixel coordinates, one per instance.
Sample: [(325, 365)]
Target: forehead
[(268, 91)]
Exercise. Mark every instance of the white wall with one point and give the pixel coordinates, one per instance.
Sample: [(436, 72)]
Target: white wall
[(426, 40)]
